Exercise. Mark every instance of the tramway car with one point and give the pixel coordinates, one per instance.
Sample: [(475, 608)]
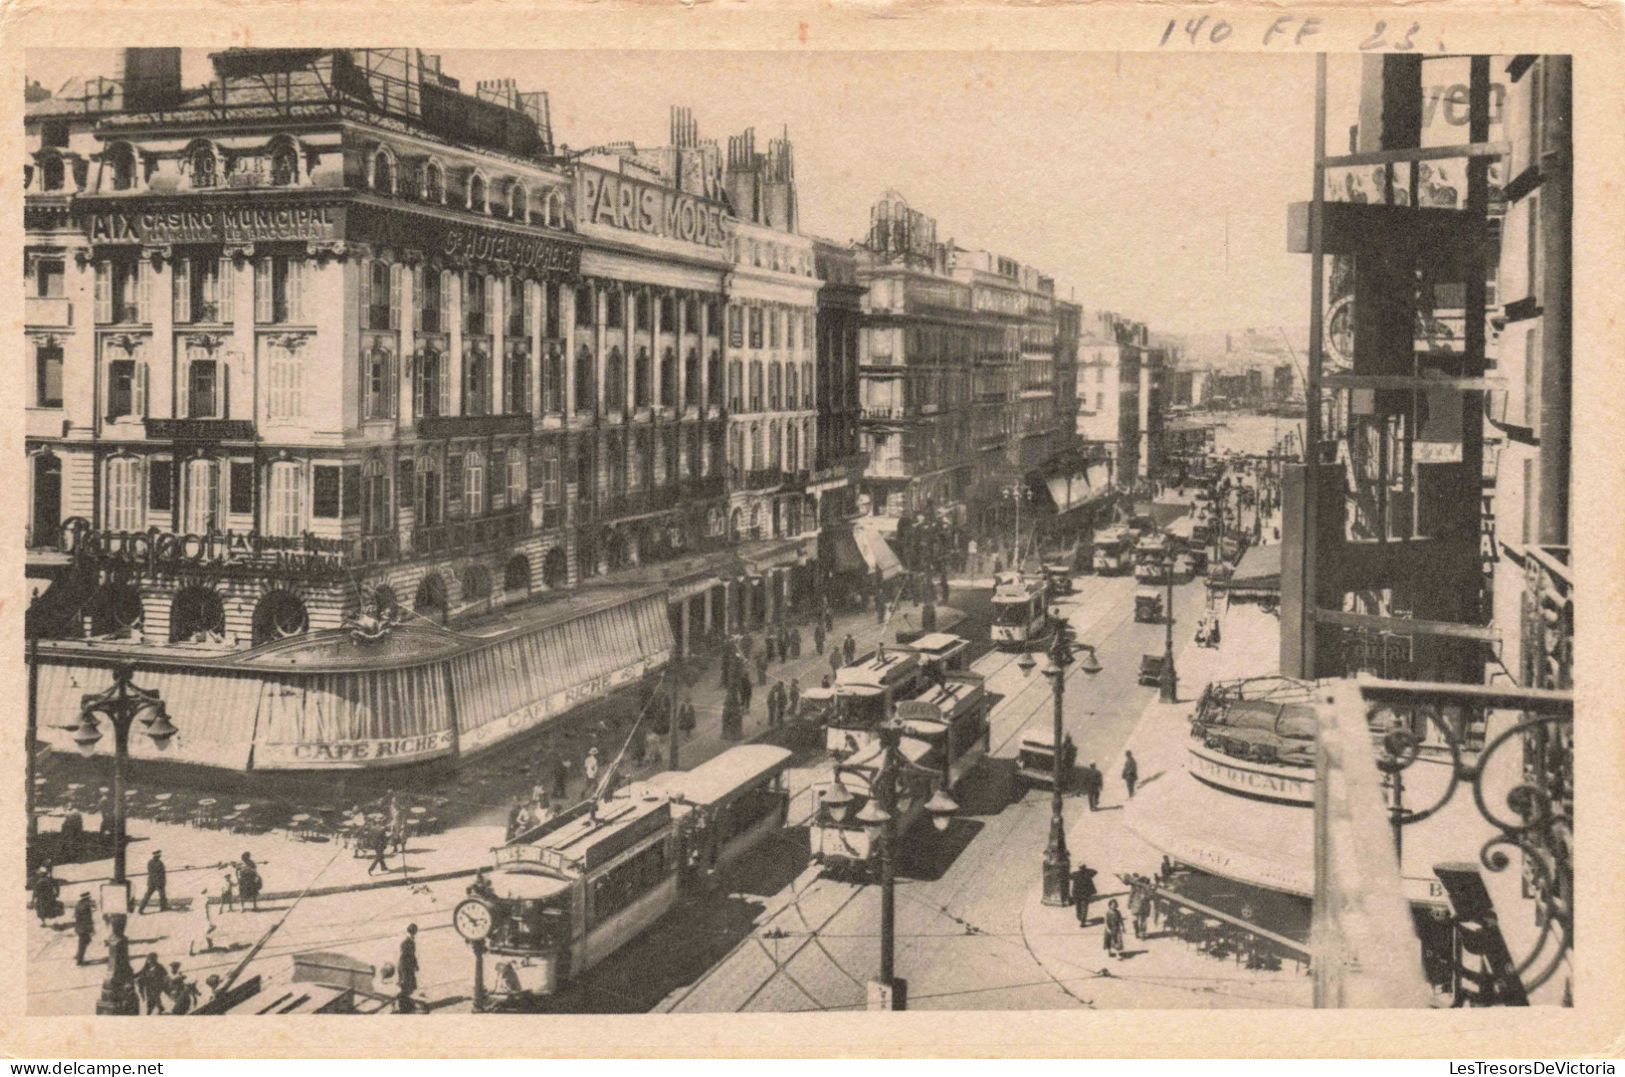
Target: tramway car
[(1020, 613), (865, 693), (1112, 547), (945, 736), (1151, 558), (567, 894)]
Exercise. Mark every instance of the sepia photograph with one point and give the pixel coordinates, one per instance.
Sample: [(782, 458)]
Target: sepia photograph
[(573, 531)]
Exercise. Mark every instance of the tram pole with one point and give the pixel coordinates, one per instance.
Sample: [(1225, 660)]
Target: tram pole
[(672, 734), (479, 975)]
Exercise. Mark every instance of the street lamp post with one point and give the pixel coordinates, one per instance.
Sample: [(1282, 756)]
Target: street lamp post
[(1057, 871), (121, 704), (1170, 679), (887, 991)]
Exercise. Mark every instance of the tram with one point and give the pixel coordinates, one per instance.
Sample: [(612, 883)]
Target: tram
[(1020, 613), (868, 690), (565, 895), (945, 736), (1112, 548), (1151, 555)]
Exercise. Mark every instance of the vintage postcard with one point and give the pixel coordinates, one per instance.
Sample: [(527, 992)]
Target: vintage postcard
[(778, 525)]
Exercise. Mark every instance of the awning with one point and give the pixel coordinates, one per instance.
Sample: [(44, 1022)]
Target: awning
[(1259, 570), (848, 557), (1266, 844), (1069, 492), (877, 552)]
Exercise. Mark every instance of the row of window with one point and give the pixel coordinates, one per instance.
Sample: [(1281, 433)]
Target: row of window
[(208, 492), (203, 288), (765, 254), (794, 328), (788, 446), (429, 183), (785, 389)]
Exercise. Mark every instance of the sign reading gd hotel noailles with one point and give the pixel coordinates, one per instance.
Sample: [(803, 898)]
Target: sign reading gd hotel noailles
[(605, 198)]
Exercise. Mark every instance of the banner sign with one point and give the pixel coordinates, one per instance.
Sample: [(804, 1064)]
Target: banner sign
[(214, 224), (351, 753), (605, 198), (155, 552)]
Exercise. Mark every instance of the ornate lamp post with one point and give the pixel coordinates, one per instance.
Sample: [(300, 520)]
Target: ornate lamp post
[(1170, 679), (879, 818), (121, 704), (1057, 870)]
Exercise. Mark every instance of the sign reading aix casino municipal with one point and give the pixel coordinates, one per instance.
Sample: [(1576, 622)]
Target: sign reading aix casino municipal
[(223, 223), (611, 200)]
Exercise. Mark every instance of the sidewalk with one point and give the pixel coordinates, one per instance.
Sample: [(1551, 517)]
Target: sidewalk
[(1156, 972), (196, 857)]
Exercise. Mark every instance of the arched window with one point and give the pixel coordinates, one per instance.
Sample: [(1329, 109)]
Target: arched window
[(476, 193), (553, 378), (120, 161), (555, 209), (426, 496), (429, 384), (431, 594), (476, 381), (476, 584), (517, 202), (434, 183), (53, 173), (115, 610), (278, 615), (615, 381), (640, 378), (204, 165), (284, 164), (516, 573), (586, 388), (197, 614), (383, 603), (383, 172), (555, 568)]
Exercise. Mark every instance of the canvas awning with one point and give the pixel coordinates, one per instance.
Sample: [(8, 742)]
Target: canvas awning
[(876, 552), (1259, 570)]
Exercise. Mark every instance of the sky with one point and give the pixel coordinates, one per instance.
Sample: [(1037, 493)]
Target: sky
[(1153, 184)]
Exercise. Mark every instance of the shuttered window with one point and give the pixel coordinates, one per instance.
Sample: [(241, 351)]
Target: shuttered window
[(286, 516), (124, 493)]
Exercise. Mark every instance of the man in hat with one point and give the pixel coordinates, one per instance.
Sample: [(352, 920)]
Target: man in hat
[(84, 925), (849, 649), (589, 766), (157, 882), (408, 967)]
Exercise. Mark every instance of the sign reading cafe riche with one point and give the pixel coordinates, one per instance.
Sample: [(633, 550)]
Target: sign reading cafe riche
[(606, 198)]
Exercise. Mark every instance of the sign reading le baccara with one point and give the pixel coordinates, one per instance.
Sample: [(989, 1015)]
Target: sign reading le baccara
[(622, 202)]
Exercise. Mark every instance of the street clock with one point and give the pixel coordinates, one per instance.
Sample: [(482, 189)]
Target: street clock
[(472, 920)]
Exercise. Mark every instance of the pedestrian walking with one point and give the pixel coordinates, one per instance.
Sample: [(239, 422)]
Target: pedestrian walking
[(770, 649), (1114, 929), (784, 643), (829, 621), (157, 882), (84, 925), (795, 643), (248, 882), (761, 667), (849, 649), (745, 645), (151, 982), (745, 692), (47, 895), (182, 992), (202, 940), (880, 608), (561, 778), (380, 850), (407, 967), (795, 698), (818, 636), (1139, 904), (589, 766), (1083, 892), (834, 660), (685, 717), (228, 893), (1093, 782), (1131, 772)]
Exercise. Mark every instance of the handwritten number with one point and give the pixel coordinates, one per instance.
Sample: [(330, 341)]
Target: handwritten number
[(1220, 31), (1405, 43), (1375, 40), (1168, 33)]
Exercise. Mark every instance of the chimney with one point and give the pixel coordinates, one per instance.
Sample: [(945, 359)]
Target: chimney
[(152, 78)]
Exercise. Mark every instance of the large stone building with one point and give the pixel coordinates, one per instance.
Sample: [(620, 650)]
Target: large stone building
[(329, 339), (968, 368)]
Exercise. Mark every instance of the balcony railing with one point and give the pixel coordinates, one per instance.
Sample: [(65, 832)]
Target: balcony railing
[(466, 536), (764, 478), (440, 426), (1510, 751)]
